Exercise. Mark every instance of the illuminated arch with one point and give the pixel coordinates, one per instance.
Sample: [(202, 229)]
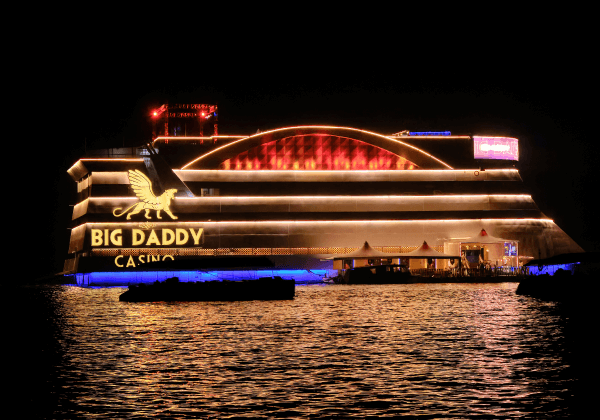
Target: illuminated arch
[(409, 153)]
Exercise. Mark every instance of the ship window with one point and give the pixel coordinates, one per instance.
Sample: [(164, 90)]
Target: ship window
[(209, 192)]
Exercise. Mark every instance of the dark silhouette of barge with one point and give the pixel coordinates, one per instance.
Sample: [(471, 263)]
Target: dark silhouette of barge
[(380, 274), (264, 288)]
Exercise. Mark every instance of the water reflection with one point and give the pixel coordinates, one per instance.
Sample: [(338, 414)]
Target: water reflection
[(443, 350)]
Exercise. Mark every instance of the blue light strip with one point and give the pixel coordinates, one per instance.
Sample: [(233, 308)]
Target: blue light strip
[(429, 133), (123, 278), (551, 269)]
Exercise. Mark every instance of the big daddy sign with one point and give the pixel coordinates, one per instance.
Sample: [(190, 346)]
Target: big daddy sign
[(146, 238)]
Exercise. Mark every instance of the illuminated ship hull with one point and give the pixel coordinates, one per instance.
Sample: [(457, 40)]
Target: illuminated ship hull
[(290, 198)]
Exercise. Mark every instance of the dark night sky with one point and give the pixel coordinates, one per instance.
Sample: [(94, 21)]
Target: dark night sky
[(102, 95)]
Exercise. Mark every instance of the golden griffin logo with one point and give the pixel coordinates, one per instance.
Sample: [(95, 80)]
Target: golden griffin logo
[(142, 186)]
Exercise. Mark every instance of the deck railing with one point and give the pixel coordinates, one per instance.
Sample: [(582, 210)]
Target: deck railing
[(470, 272)]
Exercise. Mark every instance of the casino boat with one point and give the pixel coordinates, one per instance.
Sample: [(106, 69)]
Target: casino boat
[(286, 200), (267, 288)]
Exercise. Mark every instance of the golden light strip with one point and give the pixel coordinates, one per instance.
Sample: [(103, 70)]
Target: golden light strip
[(110, 251), (343, 171), (324, 197), (327, 222), (105, 160), (352, 197), (319, 127)]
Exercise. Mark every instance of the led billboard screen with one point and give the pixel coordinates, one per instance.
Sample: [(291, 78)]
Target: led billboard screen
[(505, 148)]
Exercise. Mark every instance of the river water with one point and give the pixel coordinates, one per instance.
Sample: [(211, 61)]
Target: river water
[(428, 350)]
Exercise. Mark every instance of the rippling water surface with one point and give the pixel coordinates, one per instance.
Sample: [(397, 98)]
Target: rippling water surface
[(439, 350)]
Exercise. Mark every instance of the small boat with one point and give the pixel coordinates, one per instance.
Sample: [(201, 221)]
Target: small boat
[(265, 288), (378, 274)]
